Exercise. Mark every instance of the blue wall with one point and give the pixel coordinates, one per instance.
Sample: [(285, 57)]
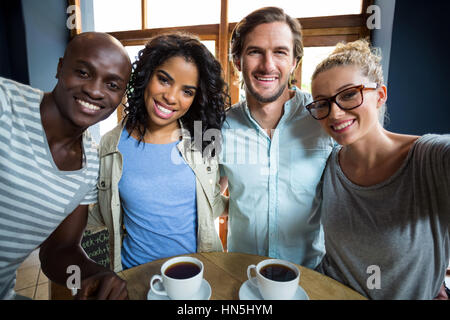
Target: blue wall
[(46, 38), (419, 68), (87, 15), (382, 38), (13, 48)]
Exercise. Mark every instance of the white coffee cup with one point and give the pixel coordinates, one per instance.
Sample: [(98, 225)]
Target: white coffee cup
[(272, 289), (178, 289)]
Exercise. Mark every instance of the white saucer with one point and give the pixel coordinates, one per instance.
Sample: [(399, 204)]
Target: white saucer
[(204, 293), (249, 292)]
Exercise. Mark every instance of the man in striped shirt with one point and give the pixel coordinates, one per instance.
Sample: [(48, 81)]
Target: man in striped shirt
[(49, 165)]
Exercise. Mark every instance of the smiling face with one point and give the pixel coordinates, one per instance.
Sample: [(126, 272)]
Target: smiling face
[(92, 79), (348, 126), (266, 62), (170, 92)]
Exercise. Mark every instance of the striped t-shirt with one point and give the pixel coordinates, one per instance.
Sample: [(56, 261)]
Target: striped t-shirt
[(35, 196)]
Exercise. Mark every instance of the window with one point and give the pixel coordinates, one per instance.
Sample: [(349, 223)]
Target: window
[(117, 15), (133, 51), (211, 45), (238, 9), (176, 13), (312, 56), (108, 124), (324, 22)]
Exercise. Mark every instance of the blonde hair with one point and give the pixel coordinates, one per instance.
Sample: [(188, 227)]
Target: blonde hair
[(357, 53), (360, 54)]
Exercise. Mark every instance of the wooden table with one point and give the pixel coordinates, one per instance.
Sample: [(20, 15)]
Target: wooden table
[(226, 272)]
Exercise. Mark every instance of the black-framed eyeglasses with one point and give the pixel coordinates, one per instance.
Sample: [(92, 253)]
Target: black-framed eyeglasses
[(346, 99)]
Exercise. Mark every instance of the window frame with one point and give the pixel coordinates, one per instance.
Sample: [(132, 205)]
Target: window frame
[(317, 32)]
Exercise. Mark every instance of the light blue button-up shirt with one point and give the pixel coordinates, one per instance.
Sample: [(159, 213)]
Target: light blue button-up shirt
[(273, 209)]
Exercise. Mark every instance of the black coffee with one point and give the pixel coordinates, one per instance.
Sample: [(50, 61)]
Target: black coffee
[(278, 272), (182, 270)]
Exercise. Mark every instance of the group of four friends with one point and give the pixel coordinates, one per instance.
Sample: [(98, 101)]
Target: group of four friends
[(312, 179)]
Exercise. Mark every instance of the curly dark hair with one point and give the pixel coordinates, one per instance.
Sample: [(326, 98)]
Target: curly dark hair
[(211, 98)]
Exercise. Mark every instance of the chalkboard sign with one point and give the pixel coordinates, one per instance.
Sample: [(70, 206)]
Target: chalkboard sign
[(95, 243)]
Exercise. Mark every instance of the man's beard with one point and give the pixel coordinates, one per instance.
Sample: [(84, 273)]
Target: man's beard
[(262, 99)]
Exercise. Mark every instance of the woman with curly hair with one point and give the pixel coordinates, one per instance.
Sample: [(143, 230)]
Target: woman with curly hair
[(158, 185)]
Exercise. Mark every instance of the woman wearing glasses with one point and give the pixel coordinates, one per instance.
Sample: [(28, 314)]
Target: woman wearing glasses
[(386, 196)]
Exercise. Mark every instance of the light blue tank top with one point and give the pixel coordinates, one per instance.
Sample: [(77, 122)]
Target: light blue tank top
[(158, 196)]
